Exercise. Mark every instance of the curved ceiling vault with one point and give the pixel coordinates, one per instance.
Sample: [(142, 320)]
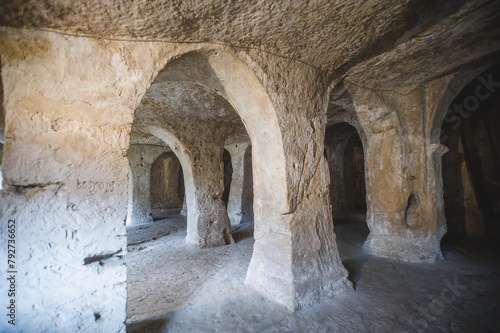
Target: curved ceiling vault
[(374, 42)]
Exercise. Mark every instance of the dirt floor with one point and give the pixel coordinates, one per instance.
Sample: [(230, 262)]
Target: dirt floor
[(175, 288)]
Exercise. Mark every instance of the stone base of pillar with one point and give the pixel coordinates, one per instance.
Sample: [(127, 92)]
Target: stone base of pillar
[(284, 292), (416, 249), (293, 276)]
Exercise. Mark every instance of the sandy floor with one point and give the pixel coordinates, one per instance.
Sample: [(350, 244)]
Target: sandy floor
[(175, 288)]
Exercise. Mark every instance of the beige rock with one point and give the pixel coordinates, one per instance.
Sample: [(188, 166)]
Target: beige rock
[(95, 92)]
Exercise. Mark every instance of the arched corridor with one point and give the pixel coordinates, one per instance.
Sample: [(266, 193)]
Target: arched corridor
[(471, 166), (167, 190), (261, 167), (156, 187), (347, 172), (188, 96)]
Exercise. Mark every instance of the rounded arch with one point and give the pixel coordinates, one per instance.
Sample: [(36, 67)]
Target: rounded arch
[(180, 151), (240, 196), (357, 127), (456, 84), (467, 118), (223, 76), (141, 157), (167, 186), (236, 81), (343, 139)]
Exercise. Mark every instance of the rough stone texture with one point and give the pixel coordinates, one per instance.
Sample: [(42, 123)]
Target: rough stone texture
[(240, 203), (459, 192), (283, 71), (442, 48), (60, 286), (166, 194), (141, 158), (394, 41), (282, 217), (470, 168), (194, 121), (347, 189), (403, 166), (307, 224), (66, 180), (173, 288)]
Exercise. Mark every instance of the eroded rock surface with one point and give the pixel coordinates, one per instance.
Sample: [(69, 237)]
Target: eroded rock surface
[(89, 89)]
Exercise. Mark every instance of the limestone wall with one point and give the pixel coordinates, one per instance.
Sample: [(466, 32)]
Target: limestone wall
[(69, 104), (167, 190), (141, 158)]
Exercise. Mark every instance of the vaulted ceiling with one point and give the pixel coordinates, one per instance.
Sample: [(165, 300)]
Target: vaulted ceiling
[(374, 42)]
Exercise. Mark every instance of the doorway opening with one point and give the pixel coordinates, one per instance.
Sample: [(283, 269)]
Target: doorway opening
[(344, 152), (167, 186), (345, 155), (471, 167)]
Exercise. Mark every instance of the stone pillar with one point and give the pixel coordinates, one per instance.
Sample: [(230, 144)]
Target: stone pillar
[(388, 193), (295, 260), (239, 208), (141, 158), (207, 221), (473, 217), (464, 217), (403, 173), (184, 206), (201, 160)]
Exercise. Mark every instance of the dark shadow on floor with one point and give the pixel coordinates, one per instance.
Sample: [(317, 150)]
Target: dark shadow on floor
[(141, 233), (148, 325), (354, 268), (474, 248), (242, 231)]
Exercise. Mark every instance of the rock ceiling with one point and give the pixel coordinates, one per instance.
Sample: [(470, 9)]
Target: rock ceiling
[(374, 42)]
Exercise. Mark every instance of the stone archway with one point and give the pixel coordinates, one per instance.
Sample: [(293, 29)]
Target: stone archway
[(222, 77), (470, 177), (194, 104), (141, 156), (347, 172), (167, 186), (401, 180)]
